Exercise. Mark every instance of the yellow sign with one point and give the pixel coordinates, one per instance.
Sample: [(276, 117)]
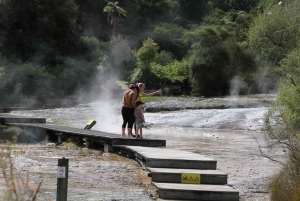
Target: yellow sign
[(90, 122), (190, 178)]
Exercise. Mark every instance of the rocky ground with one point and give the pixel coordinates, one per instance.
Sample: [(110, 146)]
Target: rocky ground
[(180, 103), (227, 129), (93, 175)]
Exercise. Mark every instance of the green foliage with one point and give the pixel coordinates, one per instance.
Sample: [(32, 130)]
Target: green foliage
[(221, 4), (275, 32), (215, 58), (152, 9), (289, 90), (208, 62), (164, 58), (54, 25), (52, 58), (89, 142), (113, 12), (21, 81), (267, 3), (236, 22), (172, 73), (8, 134), (171, 37), (245, 5), (286, 184), (215, 17), (136, 75), (90, 49), (147, 53), (145, 56), (193, 10)]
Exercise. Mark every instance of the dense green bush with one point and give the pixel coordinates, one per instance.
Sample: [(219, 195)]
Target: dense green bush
[(171, 37), (285, 186), (217, 57), (172, 73), (287, 133), (275, 32), (145, 56), (164, 58), (39, 30)]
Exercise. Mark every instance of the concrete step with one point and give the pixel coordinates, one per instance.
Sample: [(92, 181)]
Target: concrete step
[(196, 192), (161, 157), (193, 176)]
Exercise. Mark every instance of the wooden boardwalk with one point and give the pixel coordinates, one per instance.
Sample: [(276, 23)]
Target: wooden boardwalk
[(177, 174), (170, 158)]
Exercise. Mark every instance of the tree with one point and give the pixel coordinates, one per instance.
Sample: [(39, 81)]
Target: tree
[(275, 32), (209, 62), (193, 10), (113, 12), (216, 57), (245, 5), (282, 123), (43, 30), (145, 55), (170, 37)]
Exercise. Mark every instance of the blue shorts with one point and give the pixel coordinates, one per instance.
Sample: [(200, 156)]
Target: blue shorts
[(140, 125)]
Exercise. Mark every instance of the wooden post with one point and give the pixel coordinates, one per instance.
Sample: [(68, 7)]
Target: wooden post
[(62, 179)]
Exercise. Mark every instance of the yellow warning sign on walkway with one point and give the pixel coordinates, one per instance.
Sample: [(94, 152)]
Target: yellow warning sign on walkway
[(190, 178)]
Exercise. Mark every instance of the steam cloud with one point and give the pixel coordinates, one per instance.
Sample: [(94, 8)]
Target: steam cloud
[(236, 85)]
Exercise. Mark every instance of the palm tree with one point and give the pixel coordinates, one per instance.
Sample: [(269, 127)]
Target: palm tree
[(113, 12)]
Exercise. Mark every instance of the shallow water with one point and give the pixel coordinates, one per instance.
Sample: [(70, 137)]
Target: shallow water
[(231, 136)]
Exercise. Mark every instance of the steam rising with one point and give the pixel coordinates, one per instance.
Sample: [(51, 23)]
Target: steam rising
[(236, 86), (265, 83)]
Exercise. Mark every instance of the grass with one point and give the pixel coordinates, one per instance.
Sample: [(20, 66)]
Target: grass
[(286, 185), (120, 82), (155, 98), (123, 84)]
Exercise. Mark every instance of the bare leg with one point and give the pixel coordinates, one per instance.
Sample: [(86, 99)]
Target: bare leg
[(129, 132), (141, 132), (123, 132), (136, 132)]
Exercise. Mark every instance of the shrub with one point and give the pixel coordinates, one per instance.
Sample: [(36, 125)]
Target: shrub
[(145, 56), (172, 73), (287, 133), (164, 58)]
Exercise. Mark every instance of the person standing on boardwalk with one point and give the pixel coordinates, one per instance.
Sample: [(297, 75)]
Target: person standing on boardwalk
[(128, 105), (139, 119), (141, 94)]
